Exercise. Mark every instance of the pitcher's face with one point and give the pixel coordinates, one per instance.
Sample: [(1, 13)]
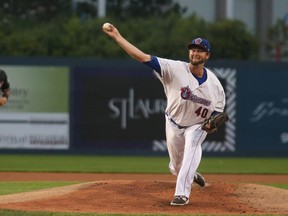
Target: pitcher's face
[(198, 56)]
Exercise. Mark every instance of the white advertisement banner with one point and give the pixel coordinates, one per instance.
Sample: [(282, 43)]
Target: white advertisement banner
[(34, 131)]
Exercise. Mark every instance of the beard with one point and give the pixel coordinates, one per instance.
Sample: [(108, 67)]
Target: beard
[(201, 61)]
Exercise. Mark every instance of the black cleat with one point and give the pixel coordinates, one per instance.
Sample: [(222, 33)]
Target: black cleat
[(199, 179), (180, 200)]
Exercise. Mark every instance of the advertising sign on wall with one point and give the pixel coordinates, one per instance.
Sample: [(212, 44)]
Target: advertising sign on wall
[(258, 107), (117, 109), (263, 112), (122, 110), (37, 113)]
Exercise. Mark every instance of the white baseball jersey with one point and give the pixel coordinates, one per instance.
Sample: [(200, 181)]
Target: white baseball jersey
[(189, 103)]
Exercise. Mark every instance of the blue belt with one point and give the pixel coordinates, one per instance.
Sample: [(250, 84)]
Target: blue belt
[(178, 126)]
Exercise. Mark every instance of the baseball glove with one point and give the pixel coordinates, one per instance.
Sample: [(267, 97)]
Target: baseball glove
[(212, 124)]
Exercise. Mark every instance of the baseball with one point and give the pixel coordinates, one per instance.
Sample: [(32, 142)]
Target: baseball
[(107, 26)]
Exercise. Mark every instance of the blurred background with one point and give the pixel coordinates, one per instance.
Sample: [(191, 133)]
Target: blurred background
[(73, 90)]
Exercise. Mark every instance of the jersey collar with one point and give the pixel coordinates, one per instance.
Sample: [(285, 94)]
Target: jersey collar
[(203, 78)]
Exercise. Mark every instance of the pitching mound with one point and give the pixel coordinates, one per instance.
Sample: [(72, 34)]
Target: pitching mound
[(145, 196)]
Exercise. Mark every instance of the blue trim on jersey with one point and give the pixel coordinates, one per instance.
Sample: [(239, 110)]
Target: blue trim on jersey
[(154, 64), (203, 78)]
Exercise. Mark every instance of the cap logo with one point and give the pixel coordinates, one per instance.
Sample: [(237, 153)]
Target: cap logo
[(198, 41)]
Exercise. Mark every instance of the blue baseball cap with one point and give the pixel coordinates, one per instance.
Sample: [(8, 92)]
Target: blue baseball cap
[(200, 42)]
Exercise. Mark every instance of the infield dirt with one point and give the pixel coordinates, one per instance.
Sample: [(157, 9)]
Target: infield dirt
[(149, 193)]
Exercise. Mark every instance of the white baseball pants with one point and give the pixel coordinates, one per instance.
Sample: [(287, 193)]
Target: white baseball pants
[(185, 152)]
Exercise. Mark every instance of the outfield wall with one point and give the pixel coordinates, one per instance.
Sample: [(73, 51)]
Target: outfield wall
[(117, 107)]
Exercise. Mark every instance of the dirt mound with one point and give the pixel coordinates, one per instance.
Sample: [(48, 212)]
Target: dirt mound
[(146, 196)]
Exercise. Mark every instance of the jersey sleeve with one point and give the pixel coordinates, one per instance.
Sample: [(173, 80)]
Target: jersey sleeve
[(165, 69), (219, 96), (220, 104), (168, 68), (154, 64)]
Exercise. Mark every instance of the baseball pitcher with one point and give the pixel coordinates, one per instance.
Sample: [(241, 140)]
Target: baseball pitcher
[(195, 105)]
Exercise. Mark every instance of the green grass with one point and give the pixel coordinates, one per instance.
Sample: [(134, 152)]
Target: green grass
[(244, 165), (19, 187), (283, 186), (102, 164), (134, 164)]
